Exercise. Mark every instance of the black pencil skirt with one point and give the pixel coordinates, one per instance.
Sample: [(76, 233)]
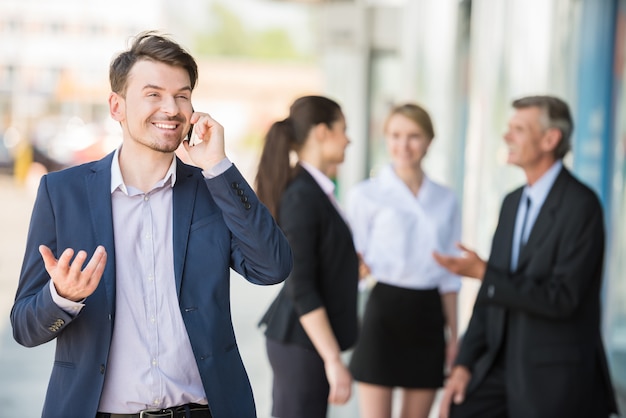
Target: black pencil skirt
[(401, 343)]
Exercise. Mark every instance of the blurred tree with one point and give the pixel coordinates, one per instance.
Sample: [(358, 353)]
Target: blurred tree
[(228, 37)]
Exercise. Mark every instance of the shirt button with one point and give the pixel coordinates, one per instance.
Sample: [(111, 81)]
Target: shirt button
[(146, 198)]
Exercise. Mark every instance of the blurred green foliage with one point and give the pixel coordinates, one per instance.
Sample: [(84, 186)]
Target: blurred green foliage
[(227, 36)]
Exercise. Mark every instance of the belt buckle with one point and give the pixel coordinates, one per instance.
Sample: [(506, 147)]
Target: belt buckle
[(147, 413)]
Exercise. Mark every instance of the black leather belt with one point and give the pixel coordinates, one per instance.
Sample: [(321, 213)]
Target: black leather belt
[(184, 411)]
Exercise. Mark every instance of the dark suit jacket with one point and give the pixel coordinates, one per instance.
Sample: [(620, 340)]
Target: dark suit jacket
[(213, 229), (325, 272), (547, 313)]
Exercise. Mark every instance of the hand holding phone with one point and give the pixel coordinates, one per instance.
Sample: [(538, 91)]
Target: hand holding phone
[(192, 138), (204, 142)]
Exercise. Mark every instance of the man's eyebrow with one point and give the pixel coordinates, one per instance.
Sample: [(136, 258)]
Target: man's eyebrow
[(155, 87)]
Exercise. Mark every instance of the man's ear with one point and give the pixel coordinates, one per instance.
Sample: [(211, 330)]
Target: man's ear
[(117, 106), (551, 139)]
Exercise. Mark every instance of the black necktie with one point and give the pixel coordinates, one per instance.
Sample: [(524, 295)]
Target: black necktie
[(522, 241)]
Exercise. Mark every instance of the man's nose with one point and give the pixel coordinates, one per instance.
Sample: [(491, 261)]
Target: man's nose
[(169, 106)]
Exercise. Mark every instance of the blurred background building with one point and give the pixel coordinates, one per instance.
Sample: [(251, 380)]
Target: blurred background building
[(464, 60)]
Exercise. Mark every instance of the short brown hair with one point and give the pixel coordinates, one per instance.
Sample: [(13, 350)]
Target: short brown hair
[(557, 116), (150, 45)]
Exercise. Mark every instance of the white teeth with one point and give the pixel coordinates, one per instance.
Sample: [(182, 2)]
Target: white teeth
[(164, 126)]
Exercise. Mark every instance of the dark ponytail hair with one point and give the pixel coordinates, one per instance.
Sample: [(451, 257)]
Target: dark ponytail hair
[(275, 171)]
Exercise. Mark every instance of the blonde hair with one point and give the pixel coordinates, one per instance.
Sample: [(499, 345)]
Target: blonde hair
[(415, 113)]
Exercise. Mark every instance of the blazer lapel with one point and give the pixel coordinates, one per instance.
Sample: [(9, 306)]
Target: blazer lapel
[(183, 200), (324, 199), (505, 241), (546, 218), (98, 191)]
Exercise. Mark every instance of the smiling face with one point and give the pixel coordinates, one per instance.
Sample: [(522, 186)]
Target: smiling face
[(156, 107), (407, 142), (530, 144)]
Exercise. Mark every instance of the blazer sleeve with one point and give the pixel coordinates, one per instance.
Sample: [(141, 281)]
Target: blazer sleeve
[(474, 341), (260, 251), (35, 318), (564, 266)]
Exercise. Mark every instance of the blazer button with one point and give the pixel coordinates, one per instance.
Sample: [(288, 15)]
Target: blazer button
[(234, 185), (490, 291), (244, 199), (102, 369), (240, 192), (247, 206)]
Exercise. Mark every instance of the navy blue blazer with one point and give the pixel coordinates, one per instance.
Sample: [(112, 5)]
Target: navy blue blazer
[(218, 224)]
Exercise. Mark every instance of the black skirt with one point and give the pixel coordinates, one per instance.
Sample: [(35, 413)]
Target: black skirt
[(401, 343)]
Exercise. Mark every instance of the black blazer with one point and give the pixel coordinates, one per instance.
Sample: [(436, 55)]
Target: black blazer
[(325, 272), (545, 315)]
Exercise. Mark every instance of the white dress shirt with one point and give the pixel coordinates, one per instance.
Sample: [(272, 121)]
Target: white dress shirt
[(396, 232), (537, 193)]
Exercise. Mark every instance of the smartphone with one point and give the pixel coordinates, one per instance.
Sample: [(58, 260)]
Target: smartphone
[(190, 128), (189, 133)]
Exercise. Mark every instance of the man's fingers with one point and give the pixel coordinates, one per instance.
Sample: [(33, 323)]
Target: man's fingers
[(445, 260), (444, 405), (51, 262), (96, 265), (47, 256), (203, 124), (77, 265), (65, 258)]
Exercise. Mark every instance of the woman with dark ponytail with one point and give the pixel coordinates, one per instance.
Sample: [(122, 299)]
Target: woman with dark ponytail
[(314, 317)]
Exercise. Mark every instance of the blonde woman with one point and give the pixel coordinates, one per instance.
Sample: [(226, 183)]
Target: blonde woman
[(398, 219)]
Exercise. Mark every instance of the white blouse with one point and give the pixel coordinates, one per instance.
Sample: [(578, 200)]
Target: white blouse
[(396, 232)]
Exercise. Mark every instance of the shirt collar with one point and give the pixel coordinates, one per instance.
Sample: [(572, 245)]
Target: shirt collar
[(117, 181), (539, 191), (389, 176), (320, 178)]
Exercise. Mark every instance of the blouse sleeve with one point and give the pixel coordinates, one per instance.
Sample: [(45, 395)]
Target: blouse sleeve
[(358, 218), (452, 282)]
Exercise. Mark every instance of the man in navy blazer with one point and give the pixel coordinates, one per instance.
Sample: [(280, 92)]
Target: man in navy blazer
[(144, 327), (533, 347)]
